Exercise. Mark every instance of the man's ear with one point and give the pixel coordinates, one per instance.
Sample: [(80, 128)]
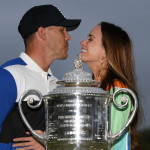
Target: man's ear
[(42, 33)]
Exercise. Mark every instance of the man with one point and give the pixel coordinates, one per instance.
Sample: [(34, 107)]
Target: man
[(44, 30)]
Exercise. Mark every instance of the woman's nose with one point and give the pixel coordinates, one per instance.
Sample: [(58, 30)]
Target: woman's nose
[(83, 42)]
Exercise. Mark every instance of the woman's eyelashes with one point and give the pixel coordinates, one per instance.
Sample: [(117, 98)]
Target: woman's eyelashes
[(89, 39)]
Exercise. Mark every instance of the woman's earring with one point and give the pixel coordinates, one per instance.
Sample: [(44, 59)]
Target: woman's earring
[(100, 69)]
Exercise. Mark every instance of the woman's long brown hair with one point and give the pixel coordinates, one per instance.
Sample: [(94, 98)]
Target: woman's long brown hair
[(118, 49)]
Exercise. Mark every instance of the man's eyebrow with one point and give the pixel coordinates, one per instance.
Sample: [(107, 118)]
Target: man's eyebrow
[(91, 35)]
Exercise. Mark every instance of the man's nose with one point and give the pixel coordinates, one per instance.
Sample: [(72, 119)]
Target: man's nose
[(67, 36)]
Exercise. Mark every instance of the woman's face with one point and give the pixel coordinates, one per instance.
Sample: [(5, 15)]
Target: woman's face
[(92, 49), (93, 53)]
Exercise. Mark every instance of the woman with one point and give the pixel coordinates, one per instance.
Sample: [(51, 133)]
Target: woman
[(107, 51)]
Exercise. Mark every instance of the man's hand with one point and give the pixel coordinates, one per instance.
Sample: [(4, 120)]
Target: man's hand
[(29, 143)]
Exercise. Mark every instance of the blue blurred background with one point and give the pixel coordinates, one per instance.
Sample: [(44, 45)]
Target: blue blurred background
[(133, 16)]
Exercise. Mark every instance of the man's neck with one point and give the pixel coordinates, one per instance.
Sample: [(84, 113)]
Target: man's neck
[(39, 58)]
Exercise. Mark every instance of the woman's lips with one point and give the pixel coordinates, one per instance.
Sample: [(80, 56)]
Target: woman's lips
[(84, 51)]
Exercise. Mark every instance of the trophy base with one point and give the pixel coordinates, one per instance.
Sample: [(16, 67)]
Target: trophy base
[(84, 145)]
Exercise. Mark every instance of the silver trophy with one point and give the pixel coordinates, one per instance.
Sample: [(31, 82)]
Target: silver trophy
[(77, 113)]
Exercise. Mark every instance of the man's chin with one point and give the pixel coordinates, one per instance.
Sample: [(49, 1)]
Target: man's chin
[(64, 57)]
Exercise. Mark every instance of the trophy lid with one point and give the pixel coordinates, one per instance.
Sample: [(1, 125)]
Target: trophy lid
[(78, 77), (78, 81)]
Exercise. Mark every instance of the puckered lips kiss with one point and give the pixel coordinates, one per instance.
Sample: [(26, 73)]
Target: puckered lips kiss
[(67, 45)]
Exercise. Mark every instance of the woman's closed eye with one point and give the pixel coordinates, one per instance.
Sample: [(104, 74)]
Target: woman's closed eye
[(89, 39)]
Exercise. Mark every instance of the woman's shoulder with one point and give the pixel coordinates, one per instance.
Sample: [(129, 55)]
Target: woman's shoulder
[(119, 84), (116, 84)]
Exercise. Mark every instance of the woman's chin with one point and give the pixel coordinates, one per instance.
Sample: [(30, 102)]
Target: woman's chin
[(83, 60)]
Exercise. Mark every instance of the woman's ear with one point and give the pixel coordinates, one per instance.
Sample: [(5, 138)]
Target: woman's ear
[(42, 33)]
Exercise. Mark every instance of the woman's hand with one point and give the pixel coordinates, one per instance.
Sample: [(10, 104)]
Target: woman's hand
[(29, 143)]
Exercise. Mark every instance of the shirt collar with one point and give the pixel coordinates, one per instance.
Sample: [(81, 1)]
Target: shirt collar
[(32, 65)]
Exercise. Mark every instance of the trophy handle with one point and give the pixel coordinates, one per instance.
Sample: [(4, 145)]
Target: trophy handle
[(112, 137), (30, 101)]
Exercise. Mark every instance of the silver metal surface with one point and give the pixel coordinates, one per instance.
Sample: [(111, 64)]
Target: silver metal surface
[(112, 137), (77, 114), (23, 96), (78, 77), (73, 121)]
